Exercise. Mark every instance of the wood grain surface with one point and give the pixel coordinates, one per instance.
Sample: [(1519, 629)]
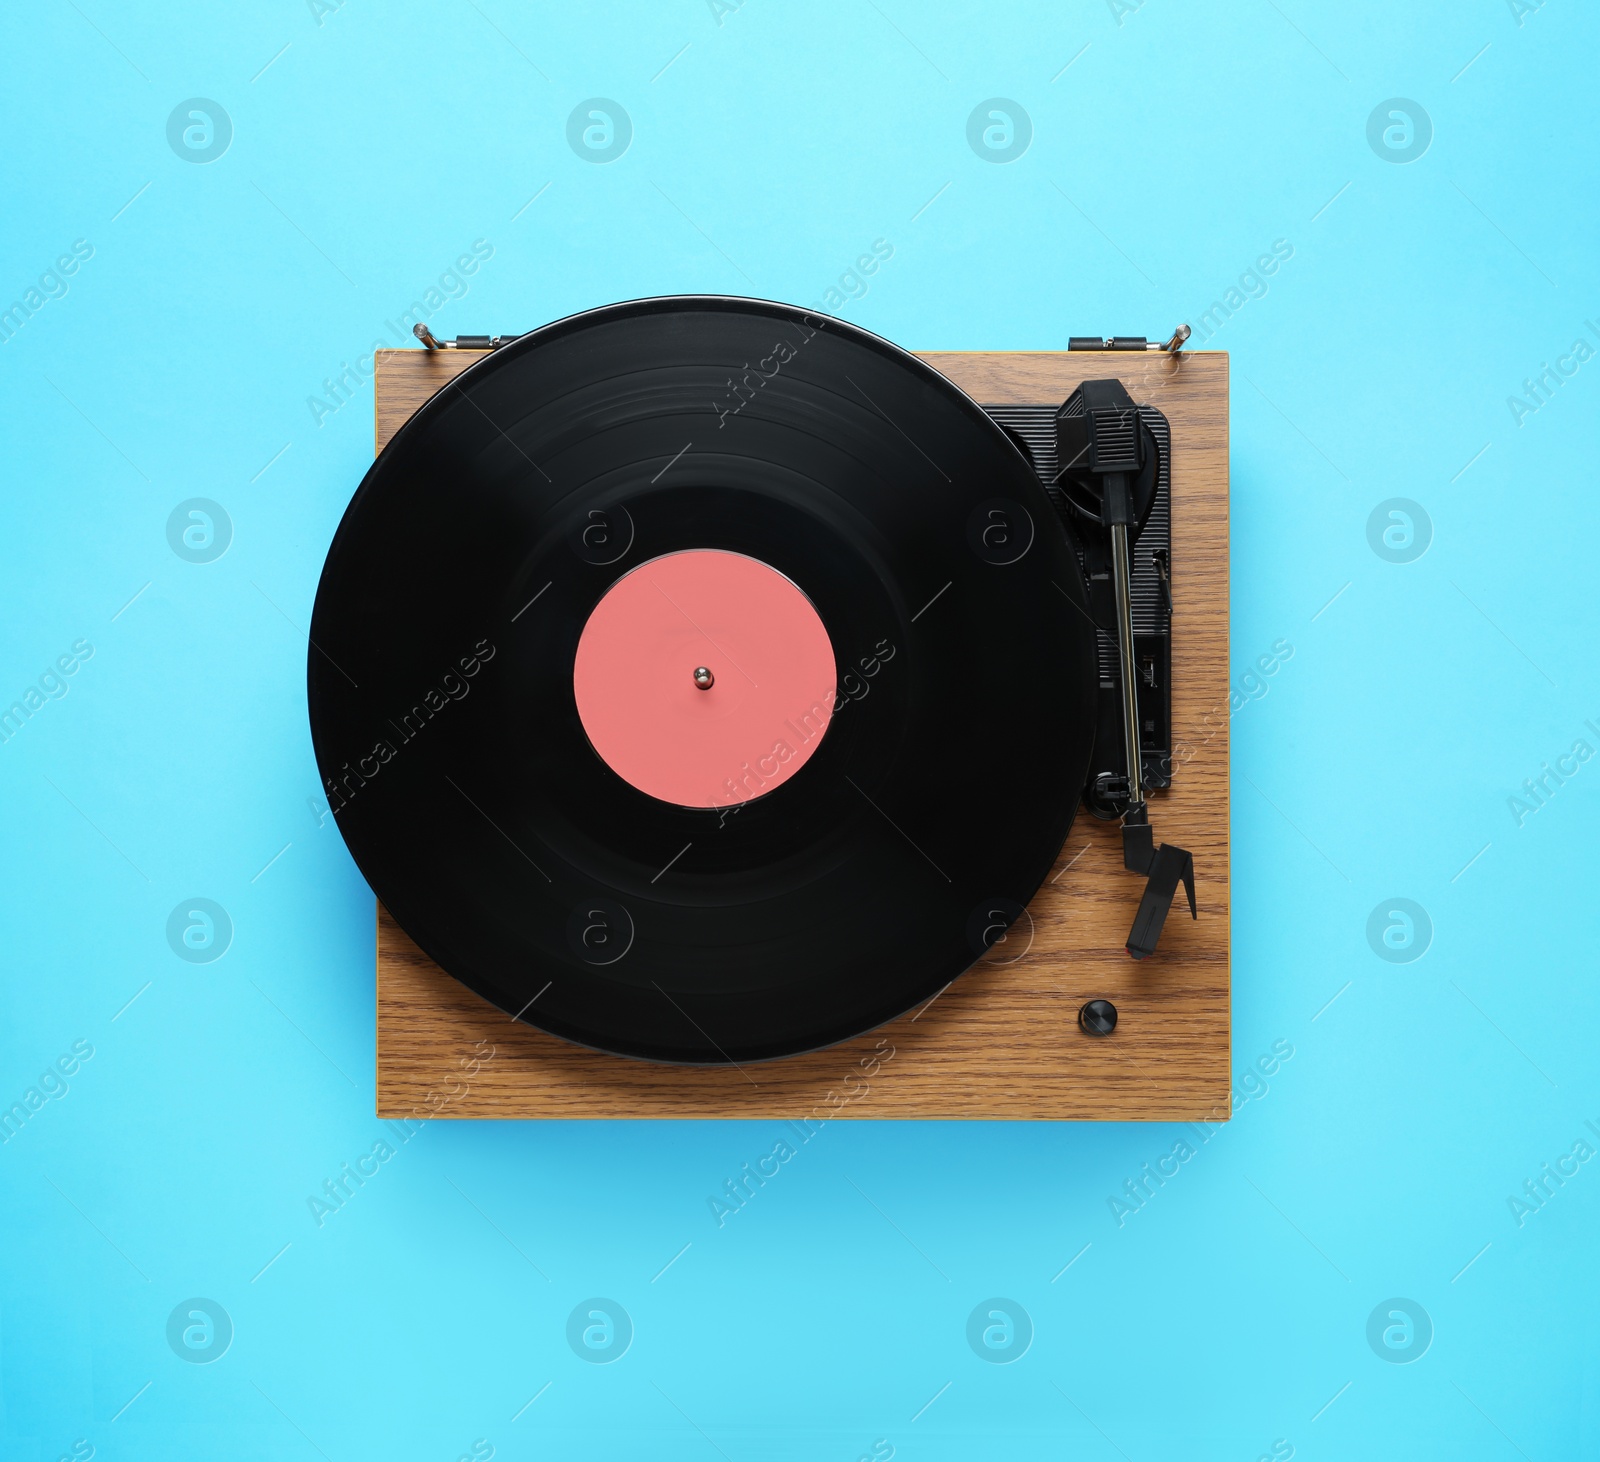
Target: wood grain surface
[(1002, 1042)]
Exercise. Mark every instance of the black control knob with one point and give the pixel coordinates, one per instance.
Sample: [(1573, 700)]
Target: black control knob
[(1098, 1017)]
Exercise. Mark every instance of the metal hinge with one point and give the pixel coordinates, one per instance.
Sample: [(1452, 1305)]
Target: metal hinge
[(1130, 342), (461, 342)]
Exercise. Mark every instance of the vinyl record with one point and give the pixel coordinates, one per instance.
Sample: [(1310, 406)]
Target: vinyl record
[(702, 680)]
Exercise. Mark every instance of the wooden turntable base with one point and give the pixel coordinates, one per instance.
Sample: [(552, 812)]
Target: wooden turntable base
[(1002, 1042)]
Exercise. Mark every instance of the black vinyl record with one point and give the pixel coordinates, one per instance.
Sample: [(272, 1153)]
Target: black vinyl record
[(450, 742)]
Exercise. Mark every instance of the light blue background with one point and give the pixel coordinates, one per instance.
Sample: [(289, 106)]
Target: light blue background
[(370, 149)]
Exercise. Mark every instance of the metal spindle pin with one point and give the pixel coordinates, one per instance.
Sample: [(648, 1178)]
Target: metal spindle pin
[(704, 678)]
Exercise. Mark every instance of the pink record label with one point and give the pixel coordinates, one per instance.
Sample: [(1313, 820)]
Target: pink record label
[(704, 678)]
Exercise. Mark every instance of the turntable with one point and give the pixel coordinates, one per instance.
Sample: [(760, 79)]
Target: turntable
[(739, 716)]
